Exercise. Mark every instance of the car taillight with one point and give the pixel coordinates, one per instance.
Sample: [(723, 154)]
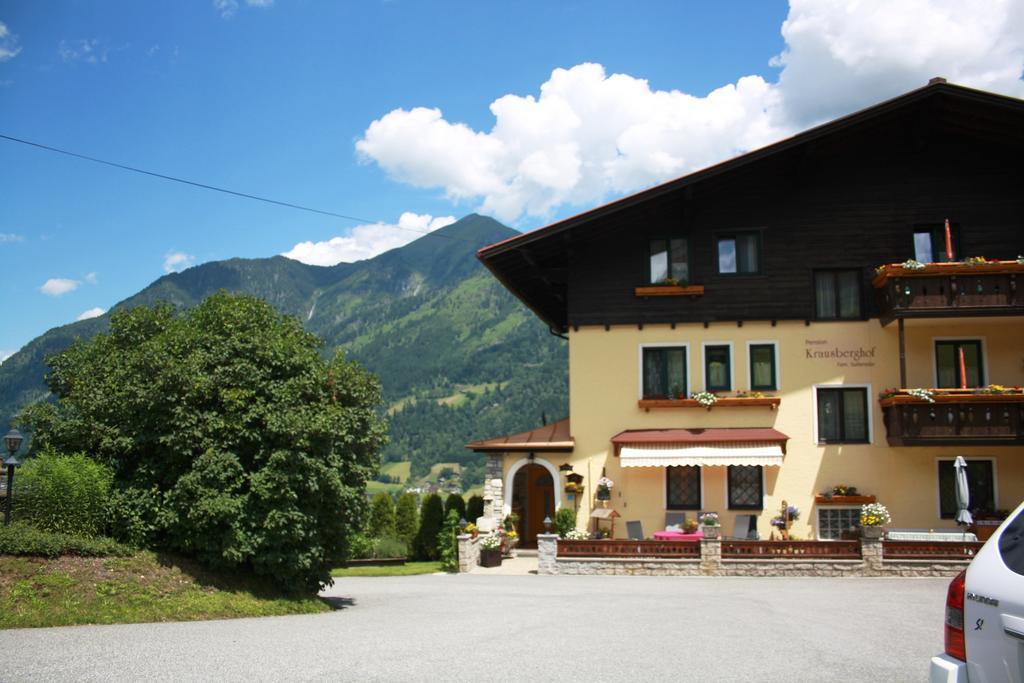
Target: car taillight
[(955, 645)]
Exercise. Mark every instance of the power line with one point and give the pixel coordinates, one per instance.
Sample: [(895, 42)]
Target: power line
[(214, 188)]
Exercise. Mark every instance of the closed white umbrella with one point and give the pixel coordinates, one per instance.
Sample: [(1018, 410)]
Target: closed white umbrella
[(963, 495)]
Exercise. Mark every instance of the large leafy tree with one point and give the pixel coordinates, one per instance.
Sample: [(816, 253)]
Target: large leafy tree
[(230, 437)]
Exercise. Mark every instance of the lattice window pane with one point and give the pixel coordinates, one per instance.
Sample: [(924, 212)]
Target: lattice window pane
[(684, 488), (833, 522), (745, 487)]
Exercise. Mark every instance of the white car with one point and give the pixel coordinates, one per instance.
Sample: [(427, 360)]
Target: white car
[(985, 613)]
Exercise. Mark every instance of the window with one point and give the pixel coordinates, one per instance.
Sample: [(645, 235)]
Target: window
[(842, 415), (762, 367), (739, 254), (838, 522), (745, 492), (947, 363), (669, 259), (930, 243), (717, 368), (682, 488), (664, 371), (980, 484), (837, 295)]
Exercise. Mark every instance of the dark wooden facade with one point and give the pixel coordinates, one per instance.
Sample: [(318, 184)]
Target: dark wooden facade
[(847, 195)]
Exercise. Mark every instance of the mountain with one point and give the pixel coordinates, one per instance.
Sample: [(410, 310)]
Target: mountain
[(459, 357)]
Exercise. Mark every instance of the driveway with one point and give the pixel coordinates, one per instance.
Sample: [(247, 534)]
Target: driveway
[(528, 628)]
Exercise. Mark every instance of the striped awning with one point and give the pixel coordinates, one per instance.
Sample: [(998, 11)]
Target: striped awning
[(700, 447)]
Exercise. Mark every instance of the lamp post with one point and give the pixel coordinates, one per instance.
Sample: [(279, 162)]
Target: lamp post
[(13, 441)]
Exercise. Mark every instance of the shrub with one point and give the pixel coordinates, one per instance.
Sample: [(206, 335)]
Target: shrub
[(63, 493), (475, 508), (407, 518), (454, 501), (389, 546), (360, 547), (20, 538), (382, 516), (431, 519), (565, 521), (447, 542)]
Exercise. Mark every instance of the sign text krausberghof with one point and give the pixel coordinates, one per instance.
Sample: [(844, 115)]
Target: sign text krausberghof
[(822, 349)]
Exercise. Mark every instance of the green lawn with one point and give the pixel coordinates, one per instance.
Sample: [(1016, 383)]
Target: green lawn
[(141, 588), (407, 569), (397, 469)]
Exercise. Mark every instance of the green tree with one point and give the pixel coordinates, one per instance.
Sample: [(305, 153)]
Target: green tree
[(431, 519), (474, 508), (382, 516), (231, 439), (565, 521), (454, 501), (407, 518), (448, 543)]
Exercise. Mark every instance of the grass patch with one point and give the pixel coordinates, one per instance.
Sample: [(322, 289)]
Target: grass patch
[(375, 487), (407, 569), (142, 587), (397, 469)]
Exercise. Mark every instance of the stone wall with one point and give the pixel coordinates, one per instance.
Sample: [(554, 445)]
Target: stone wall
[(494, 494), (469, 552), (712, 564)]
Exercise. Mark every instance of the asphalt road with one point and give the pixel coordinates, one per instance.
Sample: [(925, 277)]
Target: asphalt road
[(527, 628)]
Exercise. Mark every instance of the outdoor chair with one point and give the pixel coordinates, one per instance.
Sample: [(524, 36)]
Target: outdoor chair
[(635, 530), (745, 529), (675, 519)]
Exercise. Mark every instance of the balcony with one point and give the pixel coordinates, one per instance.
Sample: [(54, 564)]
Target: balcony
[(956, 417), (937, 290)]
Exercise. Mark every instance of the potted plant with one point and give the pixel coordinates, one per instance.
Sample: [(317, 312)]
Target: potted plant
[(710, 524), (604, 488), (511, 539), (690, 526), (471, 530), (490, 550), (873, 516)]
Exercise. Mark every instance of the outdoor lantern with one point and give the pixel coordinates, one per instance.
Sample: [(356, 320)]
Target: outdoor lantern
[(565, 467), (462, 523), (13, 442), (547, 524)]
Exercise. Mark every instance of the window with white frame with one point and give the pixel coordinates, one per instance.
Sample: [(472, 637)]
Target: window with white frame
[(763, 371), (838, 522)]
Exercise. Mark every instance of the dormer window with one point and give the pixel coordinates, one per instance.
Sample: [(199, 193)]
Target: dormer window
[(669, 261)]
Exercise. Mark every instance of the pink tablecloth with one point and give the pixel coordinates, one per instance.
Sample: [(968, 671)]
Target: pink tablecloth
[(678, 536)]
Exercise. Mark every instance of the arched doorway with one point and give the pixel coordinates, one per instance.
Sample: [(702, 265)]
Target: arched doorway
[(533, 499)]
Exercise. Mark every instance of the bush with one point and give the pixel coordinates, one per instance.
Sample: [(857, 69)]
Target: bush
[(431, 519), (407, 518), (360, 547), (454, 501), (389, 546), (63, 493), (474, 508), (447, 542), (382, 516), (20, 538), (565, 521)]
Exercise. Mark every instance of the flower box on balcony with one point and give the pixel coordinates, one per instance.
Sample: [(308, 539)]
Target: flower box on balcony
[(723, 402), (891, 270), (670, 290), (843, 500), (954, 396)]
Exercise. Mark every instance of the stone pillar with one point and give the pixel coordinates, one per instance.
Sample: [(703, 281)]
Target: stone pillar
[(494, 494), (547, 551), (711, 556), (871, 551), (469, 552)]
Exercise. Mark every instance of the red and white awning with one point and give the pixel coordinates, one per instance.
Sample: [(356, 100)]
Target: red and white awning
[(700, 447)]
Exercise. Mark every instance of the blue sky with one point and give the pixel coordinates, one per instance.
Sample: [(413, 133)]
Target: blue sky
[(542, 109)]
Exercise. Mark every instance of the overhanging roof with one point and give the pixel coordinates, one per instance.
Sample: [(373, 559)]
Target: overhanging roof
[(533, 266), (700, 447), (554, 437)]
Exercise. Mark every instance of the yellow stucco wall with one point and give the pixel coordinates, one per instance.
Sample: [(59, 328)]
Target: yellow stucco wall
[(605, 386)]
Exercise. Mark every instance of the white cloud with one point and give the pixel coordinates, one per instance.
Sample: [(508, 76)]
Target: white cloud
[(91, 278), (91, 313), (58, 286), (9, 47), (90, 51), (366, 241), (589, 135), (177, 261), (10, 237), (229, 8)]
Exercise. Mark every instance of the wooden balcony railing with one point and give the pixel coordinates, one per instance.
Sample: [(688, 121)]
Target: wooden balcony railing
[(624, 548), (929, 550), (957, 417), (949, 289), (810, 550)]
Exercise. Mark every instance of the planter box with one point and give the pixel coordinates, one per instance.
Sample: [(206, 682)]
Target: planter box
[(984, 528), (843, 500), (711, 531), (722, 402), (872, 531), (669, 290), (490, 558)]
